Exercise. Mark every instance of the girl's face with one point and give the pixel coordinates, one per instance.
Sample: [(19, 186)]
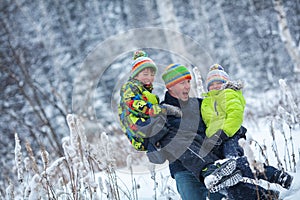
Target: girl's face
[(216, 85), (181, 90), (146, 76)]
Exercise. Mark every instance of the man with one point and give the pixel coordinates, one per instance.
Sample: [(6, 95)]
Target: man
[(189, 155), (184, 138)]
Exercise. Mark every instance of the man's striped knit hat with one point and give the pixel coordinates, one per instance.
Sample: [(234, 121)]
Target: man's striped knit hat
[(141, 61), (174, 74), (216, 73)]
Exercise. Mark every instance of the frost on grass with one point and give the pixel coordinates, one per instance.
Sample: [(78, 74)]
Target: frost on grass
[(253, 163), (291, 103), (199, 84), (71, 176), (19, 159)]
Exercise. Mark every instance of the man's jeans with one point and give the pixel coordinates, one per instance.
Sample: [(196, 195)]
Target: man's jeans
[(190, 188)]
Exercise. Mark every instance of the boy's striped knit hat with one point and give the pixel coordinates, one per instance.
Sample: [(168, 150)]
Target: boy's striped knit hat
[(216, 73), (174, 74), (141, 61)]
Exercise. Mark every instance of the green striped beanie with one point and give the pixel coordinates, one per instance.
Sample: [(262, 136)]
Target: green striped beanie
[(141, 61), (175, 73)]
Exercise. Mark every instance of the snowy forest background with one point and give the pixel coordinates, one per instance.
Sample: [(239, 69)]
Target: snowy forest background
[(70, 57)]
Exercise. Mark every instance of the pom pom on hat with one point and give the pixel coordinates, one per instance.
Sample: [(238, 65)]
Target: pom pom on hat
[(139, 53), (141, 62), (174, 74), (216, 73)]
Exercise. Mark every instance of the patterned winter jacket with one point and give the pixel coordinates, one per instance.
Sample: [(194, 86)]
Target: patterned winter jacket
[(223, 110), (137, 105)]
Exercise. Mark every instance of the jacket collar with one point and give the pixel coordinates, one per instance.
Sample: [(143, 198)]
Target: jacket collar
[(212, 93), (148, 87), (169, 99)]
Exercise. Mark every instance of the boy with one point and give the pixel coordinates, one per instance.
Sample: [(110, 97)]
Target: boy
[(222, 112), (139, 110)]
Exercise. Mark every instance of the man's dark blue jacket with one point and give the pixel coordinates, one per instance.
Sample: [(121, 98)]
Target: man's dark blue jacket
[(181, 144)]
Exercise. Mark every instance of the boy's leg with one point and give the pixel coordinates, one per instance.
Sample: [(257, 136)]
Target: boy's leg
[(227, 181), (195, 158), (248, 191), (243, 165), (219, 176), (231, 147), (274, 175), (271, 174)]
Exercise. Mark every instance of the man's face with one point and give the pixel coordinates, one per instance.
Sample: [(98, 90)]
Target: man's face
[(146, 76), (181, 90)]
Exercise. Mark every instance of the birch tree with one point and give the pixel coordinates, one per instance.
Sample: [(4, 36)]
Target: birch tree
[(174, 41), (233, 54), (286, 36)]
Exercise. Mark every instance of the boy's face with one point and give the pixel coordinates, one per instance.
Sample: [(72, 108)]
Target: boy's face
[(146, 76), (216, 85), (181, 90)]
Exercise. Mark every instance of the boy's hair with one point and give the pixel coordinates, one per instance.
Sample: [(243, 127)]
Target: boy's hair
[(141, 61), (150, 68)]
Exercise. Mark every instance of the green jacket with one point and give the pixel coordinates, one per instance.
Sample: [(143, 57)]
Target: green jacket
[(223, 110)]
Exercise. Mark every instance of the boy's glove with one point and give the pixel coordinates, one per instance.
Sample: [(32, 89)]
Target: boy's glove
[(241, 132), (172, 110), (234, 85), (155, 110), (218, 138)]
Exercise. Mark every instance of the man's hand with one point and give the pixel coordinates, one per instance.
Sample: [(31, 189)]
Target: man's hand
[(172, 110), (218, 138), (222, 135)]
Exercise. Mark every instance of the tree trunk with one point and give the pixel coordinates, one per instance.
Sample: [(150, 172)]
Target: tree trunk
[(237, 66), (175, 42), (286, 36)]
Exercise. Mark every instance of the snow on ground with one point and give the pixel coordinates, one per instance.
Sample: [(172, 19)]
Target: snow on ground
[(141, 176), (260, 133), (163, 180), (294, 192)]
